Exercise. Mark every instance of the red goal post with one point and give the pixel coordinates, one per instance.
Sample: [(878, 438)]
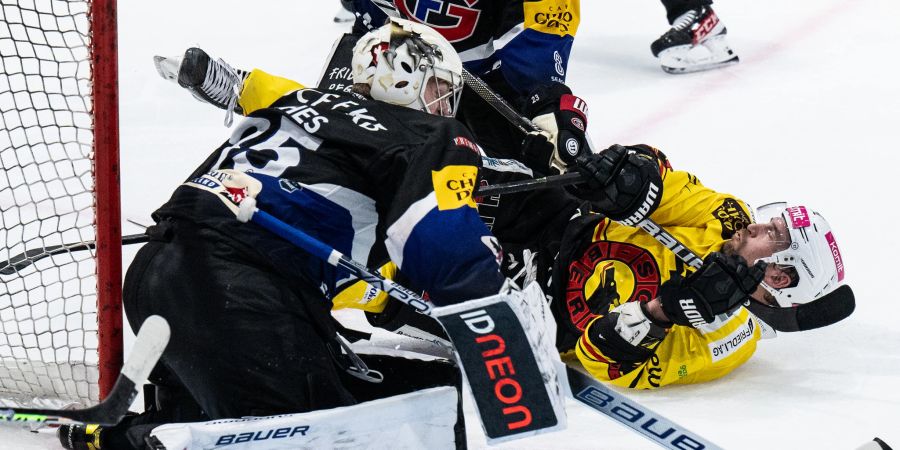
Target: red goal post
[(60, 317)]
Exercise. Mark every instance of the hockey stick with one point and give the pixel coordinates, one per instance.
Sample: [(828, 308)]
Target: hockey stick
[(527, 185), (23, 260), (829, 309), (151, 340), (826, 310), (582, 387)]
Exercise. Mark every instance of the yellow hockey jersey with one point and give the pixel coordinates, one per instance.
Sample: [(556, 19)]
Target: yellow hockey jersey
[(624, 264)]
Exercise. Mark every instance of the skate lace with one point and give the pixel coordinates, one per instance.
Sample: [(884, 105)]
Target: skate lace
[(685, 20), (222, 85)]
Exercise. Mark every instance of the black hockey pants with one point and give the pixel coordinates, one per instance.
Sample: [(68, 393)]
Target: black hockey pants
[(245, 340)]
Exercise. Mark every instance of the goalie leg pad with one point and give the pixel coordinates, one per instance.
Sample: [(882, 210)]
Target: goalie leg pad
[(422, 419)]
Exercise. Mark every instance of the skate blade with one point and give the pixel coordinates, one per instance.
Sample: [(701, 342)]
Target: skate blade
[(701, 67)]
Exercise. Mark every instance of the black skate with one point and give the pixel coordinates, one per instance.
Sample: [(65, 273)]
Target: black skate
[(79, 437), (696, 42), (208, 80)]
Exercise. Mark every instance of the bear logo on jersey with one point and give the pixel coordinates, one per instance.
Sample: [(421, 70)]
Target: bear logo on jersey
[(609, 273)]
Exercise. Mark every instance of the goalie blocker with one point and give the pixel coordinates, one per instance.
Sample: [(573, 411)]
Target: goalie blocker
[(505, 345)]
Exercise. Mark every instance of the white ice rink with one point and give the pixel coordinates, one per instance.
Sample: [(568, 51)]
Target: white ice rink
[(809, 114)]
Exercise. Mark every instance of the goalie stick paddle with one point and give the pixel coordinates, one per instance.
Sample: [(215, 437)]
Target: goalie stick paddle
[(151, 340), (23, 260)]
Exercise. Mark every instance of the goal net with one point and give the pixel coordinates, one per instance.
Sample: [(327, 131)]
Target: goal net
[(60, 313)]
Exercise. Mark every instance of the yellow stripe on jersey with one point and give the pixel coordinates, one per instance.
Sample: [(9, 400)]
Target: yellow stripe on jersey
[(362, 295), (559, 17), (261, 89)]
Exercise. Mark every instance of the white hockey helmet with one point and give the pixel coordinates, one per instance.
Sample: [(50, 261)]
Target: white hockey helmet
[(399, 59), (813, 252)]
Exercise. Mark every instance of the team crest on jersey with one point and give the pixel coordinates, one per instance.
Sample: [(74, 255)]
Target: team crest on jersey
[(732, 217), (456, 20), (609, 272)]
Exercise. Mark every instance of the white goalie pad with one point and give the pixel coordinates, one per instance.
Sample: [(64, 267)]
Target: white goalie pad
[(422, 419), (517, 388)]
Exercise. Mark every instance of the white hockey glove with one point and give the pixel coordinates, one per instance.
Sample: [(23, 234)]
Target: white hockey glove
[(230, 186), (626, 334), (210, 81)]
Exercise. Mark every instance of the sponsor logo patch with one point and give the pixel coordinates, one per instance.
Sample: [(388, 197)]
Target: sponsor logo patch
[(460, 141), (732, 217), (578, 123), (572, 146), (557, 17), (453, 186), (799, 217), (722, 348), (836, 254)]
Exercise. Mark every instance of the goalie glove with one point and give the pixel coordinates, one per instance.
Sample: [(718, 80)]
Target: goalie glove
[(720, 286), (230, 186), (563, 119), (210, 81), (624, 183)]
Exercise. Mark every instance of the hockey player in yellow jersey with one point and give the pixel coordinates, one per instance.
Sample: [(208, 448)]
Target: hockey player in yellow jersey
[(641, 318)]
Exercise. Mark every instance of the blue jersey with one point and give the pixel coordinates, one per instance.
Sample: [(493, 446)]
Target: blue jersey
[(527, 41)]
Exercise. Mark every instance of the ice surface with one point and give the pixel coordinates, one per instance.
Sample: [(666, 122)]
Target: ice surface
[(811, 113)]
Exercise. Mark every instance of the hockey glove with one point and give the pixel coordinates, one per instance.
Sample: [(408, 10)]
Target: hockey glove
[(563, 117), (720, 286), (623, 183), (626, 334)]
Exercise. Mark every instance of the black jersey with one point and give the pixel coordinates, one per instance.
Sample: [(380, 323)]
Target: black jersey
[(372, 180)]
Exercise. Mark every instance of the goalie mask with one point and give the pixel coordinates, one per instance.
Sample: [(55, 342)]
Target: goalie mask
[(813, 253), (409, 64)]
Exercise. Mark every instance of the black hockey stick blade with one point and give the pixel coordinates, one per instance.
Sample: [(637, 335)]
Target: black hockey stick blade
[(831, 308), (151, 340), (527, 185), (28, 258), (639, 418)]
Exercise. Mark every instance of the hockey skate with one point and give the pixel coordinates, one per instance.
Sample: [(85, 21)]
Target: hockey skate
[(79, 437), (210, 81), (696, 42)]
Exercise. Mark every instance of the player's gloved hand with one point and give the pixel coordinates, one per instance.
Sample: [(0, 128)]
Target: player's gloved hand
[(720, 286), (624, 183), (230, 186), (563, 119)]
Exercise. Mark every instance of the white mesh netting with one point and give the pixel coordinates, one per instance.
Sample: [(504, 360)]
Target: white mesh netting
[(48, 323)]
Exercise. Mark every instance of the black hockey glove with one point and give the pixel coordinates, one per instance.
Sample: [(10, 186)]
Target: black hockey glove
[(623, 183), (563, 119), (720, 286)]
